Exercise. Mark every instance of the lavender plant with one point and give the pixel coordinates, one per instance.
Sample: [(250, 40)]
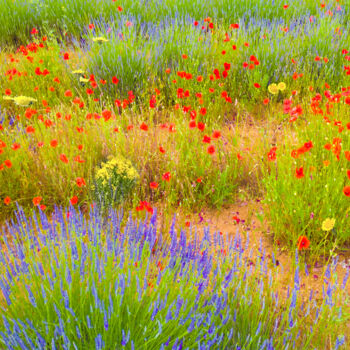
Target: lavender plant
[(68, 283)]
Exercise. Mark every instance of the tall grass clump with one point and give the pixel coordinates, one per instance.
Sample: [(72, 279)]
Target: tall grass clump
[(76, 282)]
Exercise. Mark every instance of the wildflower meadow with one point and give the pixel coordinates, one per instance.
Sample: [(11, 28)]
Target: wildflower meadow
[(174, 174)]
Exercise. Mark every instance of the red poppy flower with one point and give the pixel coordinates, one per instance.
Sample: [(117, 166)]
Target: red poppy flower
[(7, 200), (161, 149), (192, 124), (8, 163), (154, 185), (66, 56), (299, 173), (144, 127), (8, 92), (80, 182), (68, 93), (29, 129), (115, 80), (211, 149), (64, 158), (227, 66), (294, 153), (206, 139), (216, 134), (74, 200), (308, 145), (203, 111), (303, 243), (271, 156), (347, 155), (166, 176), (37, 200), (15, 146), (54, 143), (201, 126), (346, 191), (152, 101), (78, 159)]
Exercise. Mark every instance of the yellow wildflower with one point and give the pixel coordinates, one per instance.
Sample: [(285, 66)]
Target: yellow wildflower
[(78, 71), (281, 86), (328, 224), (83, 80), (273, 89), (100, 39), (22, 101)]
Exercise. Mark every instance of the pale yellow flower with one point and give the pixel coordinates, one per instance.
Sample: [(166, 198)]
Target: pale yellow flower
[(273, 89), (328, 224), (22, 101), (78, 71), (281, 86), (100, 39)]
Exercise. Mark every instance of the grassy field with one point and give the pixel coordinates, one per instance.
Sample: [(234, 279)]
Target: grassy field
[(157, 108)]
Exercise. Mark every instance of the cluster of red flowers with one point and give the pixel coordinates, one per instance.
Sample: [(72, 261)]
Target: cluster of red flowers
[(303, 149), (144, 206), (271, 156)]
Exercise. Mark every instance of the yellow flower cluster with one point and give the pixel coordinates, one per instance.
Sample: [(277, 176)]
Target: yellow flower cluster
[(116, 166), (274, 88)]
